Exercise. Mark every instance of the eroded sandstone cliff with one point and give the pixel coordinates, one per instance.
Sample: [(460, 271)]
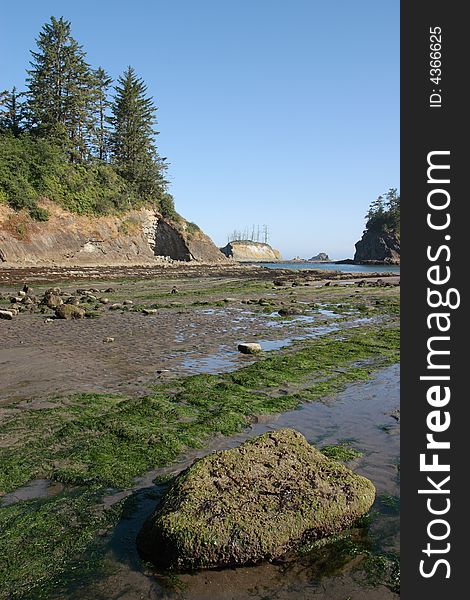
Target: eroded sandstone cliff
[(250, 251), (136, 237)]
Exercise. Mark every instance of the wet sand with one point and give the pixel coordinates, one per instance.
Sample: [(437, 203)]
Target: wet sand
[(39, 360)]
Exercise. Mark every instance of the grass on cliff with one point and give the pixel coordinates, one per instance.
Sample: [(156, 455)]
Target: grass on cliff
[(97, 441)]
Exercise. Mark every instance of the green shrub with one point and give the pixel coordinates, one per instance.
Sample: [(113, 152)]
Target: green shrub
[(31, 168), (39, 214), (167, 207)]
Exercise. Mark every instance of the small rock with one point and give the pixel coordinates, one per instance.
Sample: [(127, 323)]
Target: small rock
[(249, 348), (22, 293), (69, 311), (174, 290), (289, 311), (6, 314), (109, 290), (115, 306), (73, 300), (150, 311), (104, 300), (48, 320), (128, 302), (52, 299), (230, 300), (108, 340), (54, 290)]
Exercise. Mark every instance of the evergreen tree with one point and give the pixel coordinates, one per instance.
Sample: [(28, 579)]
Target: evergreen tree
[(132, 141), (100, 130), (60, 88), (383, 215), (12, 114)]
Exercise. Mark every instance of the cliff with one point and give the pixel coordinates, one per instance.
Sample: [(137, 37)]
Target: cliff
[(246, 250), (136, 237), (378, 247)]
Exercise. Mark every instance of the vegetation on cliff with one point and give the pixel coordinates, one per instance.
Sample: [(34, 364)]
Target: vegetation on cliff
[(383, 216), (74, 138)]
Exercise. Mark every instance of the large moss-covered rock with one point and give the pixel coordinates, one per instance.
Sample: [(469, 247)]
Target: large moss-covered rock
[(69, 311), (252, 503)]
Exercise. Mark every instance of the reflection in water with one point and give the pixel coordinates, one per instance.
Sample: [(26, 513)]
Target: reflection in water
[(361, 415)]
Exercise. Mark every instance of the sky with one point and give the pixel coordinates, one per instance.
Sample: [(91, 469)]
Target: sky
[(270, 112)]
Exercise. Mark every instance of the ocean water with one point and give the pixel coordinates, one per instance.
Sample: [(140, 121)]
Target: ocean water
[(332, 267)]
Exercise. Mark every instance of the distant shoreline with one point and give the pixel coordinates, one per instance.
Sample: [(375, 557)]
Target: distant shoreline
[(345, 261)]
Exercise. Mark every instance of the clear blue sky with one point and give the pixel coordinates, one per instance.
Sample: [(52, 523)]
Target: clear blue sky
[(276, 112)]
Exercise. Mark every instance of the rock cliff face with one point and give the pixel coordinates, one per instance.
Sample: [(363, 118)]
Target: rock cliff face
[(246, 250), (378, 248), (137, 237)]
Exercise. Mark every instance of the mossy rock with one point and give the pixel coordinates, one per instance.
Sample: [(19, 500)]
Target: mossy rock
[(69, 311), (290, 311), (253, 503)]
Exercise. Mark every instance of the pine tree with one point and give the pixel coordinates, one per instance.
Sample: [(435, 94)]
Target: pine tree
[(100, 131), (12, 115), (60, 88), (132, 140), (384, 213)]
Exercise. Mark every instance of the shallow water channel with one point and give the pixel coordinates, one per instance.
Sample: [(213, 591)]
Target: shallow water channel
[(366, 416)]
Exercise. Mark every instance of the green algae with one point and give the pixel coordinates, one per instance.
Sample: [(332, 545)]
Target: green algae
[(96, 441)]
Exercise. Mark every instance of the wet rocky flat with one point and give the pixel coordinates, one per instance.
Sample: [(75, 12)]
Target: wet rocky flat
[(93, 409), (194, 325)]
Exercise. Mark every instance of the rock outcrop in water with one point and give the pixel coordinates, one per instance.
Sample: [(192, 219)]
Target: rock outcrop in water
[(252, 503), (136, 237), (320, 256), (246, 250), (378, 247)]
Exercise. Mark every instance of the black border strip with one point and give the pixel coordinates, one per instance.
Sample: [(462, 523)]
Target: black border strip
[(433, 124)]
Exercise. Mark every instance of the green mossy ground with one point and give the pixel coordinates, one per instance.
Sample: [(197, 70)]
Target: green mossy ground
[(97, 441), (342, 452)]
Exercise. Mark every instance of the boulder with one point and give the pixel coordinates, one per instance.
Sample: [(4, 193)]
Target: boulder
[(290, 311), (52, 298), (249, 348), (69, 311), (253, 503)]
